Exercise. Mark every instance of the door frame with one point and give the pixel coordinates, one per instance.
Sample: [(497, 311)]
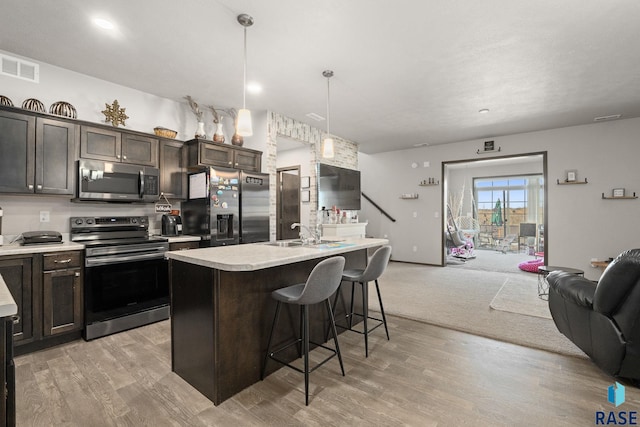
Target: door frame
[(443, 198), (279, 196)]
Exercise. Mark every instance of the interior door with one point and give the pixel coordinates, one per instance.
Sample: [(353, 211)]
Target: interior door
[(288, 203)]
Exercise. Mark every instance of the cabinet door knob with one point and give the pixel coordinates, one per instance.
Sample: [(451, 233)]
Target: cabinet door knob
[(39, 187), (30, 186), (16, 319), (230, 163), (77, 274), (117, 156), (236, 164), (124, 157)]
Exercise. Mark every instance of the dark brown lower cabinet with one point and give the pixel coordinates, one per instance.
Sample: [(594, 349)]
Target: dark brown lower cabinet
[(48, 290), (17, 272), (61, 301)]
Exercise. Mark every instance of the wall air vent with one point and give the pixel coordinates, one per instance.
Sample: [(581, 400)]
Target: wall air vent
[(19, 68), (611, 117)]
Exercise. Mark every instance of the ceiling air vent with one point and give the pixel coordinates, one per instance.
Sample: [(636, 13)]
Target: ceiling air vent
[(316, 117), (20, 68), (611, 117)]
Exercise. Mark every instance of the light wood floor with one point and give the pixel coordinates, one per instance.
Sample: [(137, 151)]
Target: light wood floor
[(424, 376)]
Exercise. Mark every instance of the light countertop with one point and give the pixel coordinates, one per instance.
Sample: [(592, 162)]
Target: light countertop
[(8, 306), (257, 256), (178, 239), (18, 249)]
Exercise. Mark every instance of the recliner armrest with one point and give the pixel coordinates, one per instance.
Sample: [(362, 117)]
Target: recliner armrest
[(574, 288)]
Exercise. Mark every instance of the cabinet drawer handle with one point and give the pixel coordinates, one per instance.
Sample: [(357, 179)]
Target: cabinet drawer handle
[(77, 274), (62, 261)]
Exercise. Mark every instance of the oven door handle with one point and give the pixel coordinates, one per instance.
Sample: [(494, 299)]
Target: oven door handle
[(119, 259)]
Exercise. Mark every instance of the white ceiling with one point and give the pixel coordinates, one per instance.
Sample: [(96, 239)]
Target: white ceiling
[(407, 72)]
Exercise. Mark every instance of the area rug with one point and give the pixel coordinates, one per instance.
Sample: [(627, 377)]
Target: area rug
[(458, 298), (520, 296)]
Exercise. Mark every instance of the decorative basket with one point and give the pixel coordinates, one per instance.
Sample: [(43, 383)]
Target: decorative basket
[(33, 105), (165, 133), (5, 101), (64, 109)]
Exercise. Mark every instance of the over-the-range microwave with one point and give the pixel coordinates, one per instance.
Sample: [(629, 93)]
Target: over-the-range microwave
[(117, 182)]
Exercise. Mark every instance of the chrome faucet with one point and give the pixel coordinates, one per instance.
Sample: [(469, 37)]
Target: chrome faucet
[(312, 237)]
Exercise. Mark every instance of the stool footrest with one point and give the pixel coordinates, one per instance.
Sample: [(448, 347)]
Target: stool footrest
[(380, 323), (272, 355)]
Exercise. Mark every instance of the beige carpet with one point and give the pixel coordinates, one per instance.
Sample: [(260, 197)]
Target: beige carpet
[(520, 296), (459, 299)]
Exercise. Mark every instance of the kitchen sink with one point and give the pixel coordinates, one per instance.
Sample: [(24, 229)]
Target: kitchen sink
[(298, 243), (286, 243)]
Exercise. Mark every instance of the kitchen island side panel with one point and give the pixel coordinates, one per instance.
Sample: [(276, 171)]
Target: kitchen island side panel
[(240, 315), (192, 325)]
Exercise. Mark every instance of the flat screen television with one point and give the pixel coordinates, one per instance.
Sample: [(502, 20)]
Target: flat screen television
[(338, 187)]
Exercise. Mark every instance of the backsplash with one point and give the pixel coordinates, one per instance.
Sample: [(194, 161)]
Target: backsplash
[(22, 213)]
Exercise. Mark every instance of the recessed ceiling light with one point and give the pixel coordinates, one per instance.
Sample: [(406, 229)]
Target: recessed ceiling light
[(483, 111), (611, 117), (105, 24), (254, 88)]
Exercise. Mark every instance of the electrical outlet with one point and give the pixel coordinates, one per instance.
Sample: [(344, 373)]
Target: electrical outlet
[(44, 216)]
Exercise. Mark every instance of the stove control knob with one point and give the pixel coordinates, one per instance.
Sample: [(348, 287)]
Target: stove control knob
[(134, 220), (79, 221), (89, 220), (142, 220)]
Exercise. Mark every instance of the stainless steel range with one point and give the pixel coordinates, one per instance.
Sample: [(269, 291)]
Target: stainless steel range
[(126, 274)]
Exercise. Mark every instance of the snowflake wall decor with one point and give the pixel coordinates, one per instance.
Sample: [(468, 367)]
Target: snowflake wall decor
[(115, 114)]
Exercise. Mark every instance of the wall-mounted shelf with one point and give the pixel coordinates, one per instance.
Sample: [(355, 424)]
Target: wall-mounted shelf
[(409, 196), (619, 197), (489, 151), (428, 182), (572, 182)]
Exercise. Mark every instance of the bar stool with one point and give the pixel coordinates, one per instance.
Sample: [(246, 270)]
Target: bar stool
[(375, 267), (323, 281)]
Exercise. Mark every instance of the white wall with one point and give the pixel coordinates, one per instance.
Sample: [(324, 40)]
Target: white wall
[(581, 225)]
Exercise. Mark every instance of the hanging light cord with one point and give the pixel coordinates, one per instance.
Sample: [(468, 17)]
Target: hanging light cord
[(328, 105), (328, 74), (244, 76)]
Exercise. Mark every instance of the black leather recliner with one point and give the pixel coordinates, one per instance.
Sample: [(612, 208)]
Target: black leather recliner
[(602, 319)]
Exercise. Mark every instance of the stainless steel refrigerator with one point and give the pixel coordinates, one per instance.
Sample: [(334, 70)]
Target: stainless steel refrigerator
[(227, 207)]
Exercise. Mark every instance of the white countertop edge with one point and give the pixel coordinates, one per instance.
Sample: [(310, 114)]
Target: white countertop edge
[(258, 256), (8, 305), (18, 249), (177, 239)]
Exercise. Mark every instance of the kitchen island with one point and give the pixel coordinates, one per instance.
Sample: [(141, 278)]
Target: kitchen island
[(221, 308)]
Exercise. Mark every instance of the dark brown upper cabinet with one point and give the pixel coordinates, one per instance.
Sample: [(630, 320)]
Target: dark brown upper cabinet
[(36, 154), (208, 153), (116, 146)]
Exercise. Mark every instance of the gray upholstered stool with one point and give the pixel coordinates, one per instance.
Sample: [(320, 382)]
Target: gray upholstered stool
[(323, 281), (375, 267)]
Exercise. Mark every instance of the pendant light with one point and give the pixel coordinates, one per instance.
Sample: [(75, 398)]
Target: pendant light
[(243, 124), (327, 143)]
